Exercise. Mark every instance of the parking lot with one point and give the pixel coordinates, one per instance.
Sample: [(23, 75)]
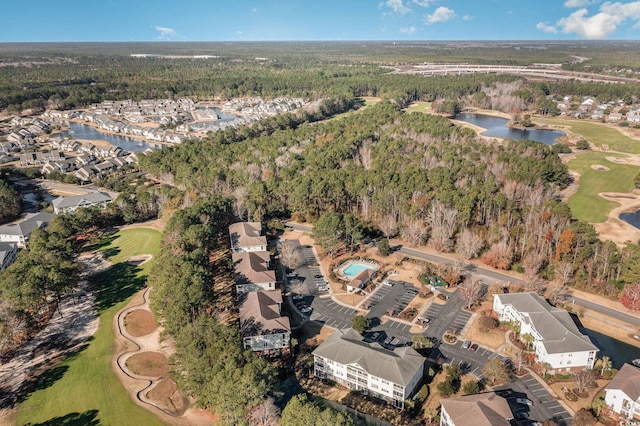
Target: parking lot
[(390, 298), (458, 322), (544, 405)]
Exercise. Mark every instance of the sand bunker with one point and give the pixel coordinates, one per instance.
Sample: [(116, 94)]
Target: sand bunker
[(599, 168)]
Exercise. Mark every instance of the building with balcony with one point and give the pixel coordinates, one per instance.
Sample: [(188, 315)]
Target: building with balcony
[(556, 338), (264, 330), (369, 368), (252, 271), (622, 394)]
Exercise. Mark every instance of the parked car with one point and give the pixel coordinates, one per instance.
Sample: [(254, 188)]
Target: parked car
[(305, 310), (375, 336), (388, 340), (473, 347), (525, 401), (319, 277), (297, 297), (523, 415), (424, 320), (466, 344)]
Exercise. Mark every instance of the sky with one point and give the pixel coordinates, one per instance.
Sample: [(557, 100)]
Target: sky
[(266, 20)]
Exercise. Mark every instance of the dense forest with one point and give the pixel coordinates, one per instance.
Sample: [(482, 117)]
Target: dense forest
[(413, 175), (10, 200)]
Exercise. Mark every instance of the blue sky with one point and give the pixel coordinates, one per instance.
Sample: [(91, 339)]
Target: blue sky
[(245, 20)]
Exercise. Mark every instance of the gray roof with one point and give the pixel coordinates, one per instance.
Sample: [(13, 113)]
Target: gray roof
[(484, 409), (5, 249), (628, 381), (31, 222), (81, 200), (348, 347), (559, 333)]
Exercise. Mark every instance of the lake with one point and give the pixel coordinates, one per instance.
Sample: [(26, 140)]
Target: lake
[(85, 132), (618, 351), (632, 218), (497, 128)]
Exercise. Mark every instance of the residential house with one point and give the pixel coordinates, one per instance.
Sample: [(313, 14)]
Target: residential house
[(615, 116), (633, 118), (73, 203), (245, 236), (392, 375), (622, 394), (556, 339), (252, 271), (597, 115), (263, 328), (8, 254), (483, 409), (20, 232), (85, 173)]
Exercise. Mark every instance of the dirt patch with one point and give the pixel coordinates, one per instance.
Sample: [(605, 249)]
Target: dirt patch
[(150, 364), (139, 259), (167, 396), (314, 333), (599, 167), (139, 323)]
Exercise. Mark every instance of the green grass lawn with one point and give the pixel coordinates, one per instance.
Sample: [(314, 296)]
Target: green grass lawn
[(586, 204), (365, 103), (83, 390), (598, 134), (419, 107)]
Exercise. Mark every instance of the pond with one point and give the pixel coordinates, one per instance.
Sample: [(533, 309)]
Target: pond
[(86, 132), (496, 127), (618, 351), (632, 218)]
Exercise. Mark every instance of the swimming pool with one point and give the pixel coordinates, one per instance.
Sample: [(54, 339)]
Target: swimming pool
[(355, 268)]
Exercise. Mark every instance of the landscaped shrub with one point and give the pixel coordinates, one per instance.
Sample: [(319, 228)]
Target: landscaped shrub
[(488, 323)]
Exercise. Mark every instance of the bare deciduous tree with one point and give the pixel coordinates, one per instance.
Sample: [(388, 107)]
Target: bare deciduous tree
[(443, 223), (583, 379), (414, 232), (469, 244), (289, 254), (532, 282), (239, 206), (388, 225), (470, 290), (564, 272), (266, 413), (555, 292)]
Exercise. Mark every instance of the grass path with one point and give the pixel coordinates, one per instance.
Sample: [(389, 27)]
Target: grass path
[(88, 392)]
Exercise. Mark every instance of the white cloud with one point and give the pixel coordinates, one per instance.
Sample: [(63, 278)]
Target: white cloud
[(600, 25), (408, 30), (398, 7), (467, 18), (254, 10), (165, 33), (597, 26), (546, 28), (424, 3), (577, 3), (441, 14)]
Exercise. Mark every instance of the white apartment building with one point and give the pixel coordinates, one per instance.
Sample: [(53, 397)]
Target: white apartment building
[(557, 340), (263, 328), (622, 394), (245, 236), (390, 375)]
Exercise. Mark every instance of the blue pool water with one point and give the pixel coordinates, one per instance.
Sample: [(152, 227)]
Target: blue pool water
[(355, 268)]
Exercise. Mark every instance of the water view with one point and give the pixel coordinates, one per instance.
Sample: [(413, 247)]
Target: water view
[(497, 128), (85, 132), (632, 218), (618, 351)]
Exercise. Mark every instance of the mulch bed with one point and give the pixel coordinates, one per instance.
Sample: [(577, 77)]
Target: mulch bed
[(151, 364), (139, 323)]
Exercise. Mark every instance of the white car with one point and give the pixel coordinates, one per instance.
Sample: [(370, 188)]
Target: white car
[(297, 297), (525, 401), (388, 340), (305, 310)]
